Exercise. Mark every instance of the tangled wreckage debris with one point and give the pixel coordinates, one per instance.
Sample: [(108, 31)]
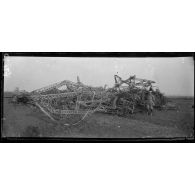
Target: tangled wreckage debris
[(72, 102)]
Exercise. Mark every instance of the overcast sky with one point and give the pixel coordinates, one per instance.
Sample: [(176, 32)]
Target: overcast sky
[(174, 76)]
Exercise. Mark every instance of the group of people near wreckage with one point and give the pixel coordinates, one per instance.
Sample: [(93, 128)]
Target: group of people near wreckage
[(149, 97)]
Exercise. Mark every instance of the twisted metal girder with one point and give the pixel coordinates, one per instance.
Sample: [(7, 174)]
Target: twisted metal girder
[(69, 84), (48, 103)]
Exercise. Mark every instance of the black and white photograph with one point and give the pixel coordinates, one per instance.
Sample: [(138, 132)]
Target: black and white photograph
[(109, 96), (97, 97)]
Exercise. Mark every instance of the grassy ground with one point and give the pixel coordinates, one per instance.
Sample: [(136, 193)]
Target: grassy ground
[(25, 121)]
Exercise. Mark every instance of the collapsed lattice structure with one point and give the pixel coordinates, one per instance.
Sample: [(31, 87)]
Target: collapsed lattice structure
[(66, 101), (72, 102), (129, 96)]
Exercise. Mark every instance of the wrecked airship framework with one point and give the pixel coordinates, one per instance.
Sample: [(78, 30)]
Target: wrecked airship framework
[(70, 102)]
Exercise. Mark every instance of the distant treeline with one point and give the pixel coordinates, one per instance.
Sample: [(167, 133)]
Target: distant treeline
[(180, 97), (8, 94)]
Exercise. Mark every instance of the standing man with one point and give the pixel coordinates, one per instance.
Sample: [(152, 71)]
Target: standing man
[(150, 99)]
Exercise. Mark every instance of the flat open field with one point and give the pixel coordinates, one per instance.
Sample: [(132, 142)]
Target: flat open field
[(24, 121)]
